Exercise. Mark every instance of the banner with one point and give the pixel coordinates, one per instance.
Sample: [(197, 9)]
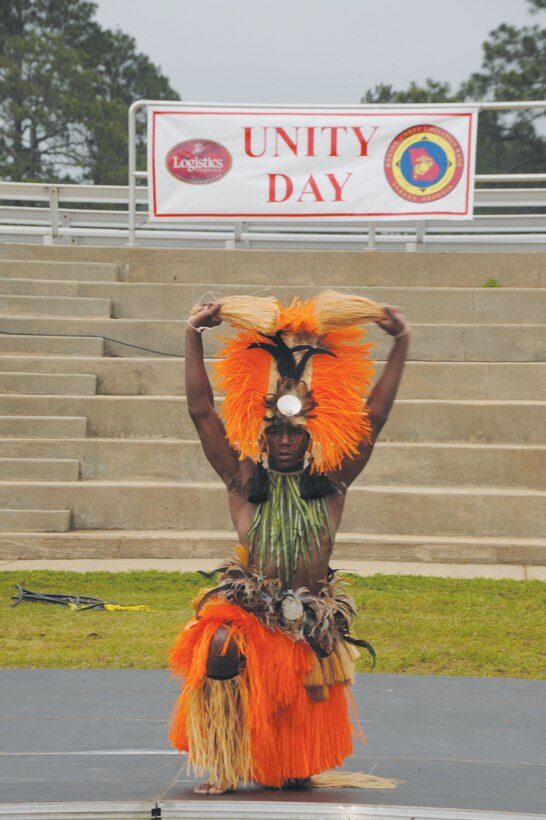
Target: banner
[(348, 163)]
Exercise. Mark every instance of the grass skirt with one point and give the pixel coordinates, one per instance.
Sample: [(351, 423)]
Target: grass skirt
[(285, 716)]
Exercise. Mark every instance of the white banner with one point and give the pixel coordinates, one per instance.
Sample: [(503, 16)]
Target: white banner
[(274, 163)]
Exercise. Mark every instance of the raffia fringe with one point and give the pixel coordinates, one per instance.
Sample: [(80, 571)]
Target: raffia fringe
[(219, 740), (336, 668), (336, 310), (352, 780), (249, 312)]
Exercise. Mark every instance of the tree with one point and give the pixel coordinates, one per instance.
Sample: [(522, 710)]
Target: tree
[(432, 92), (513, 68), (65, 87)]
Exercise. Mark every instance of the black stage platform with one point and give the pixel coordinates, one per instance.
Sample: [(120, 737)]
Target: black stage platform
[(97, 738)]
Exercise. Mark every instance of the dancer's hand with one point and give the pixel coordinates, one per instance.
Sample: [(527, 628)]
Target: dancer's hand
[(207, 315), (396, 323)]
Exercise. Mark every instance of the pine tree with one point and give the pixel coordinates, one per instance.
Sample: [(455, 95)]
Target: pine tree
[(513, 68), (65, 87)]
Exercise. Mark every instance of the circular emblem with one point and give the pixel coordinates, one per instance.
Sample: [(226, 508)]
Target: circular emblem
[(291, 607), (289, 405), (424, 163), (199, 161)]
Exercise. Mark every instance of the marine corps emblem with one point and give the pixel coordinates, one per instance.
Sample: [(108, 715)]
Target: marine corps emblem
[(424, 163)]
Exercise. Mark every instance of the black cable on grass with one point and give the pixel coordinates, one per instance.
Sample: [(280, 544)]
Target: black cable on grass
[(77, 601), (80, 603)]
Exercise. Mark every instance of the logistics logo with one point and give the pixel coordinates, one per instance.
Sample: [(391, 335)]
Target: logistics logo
[(424, 163), (199, 161)]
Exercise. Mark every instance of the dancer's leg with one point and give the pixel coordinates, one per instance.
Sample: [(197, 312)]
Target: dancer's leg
[(221, 666)]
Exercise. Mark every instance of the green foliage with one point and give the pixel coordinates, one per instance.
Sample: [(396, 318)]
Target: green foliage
[(513, 68), (417, 625), (65, 87), (431, 92), (492, 283)]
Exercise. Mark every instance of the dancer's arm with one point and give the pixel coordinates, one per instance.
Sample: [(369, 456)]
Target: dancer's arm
[(200, 400), (383, 394)]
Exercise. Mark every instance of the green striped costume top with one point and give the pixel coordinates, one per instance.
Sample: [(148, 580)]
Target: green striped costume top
[(285, 526)]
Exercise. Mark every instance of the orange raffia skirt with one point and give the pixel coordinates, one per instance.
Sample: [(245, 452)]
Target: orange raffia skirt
[(284, 717)]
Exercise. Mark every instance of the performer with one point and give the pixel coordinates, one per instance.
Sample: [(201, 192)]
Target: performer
[(268, 658)]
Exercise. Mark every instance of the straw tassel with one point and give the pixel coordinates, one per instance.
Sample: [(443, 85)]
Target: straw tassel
[(352, 780), (327, 670), (218, 739), (337, 670), (336, 310), (347, 654), (314, 677), (259, 313)]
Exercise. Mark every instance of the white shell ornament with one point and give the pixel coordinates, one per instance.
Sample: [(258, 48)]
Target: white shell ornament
[(289, 405), (291, 608)]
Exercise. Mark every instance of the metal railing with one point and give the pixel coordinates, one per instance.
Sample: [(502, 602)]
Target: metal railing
[(117, 214)]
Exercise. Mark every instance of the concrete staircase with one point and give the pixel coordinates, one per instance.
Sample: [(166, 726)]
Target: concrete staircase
[(98, 458)]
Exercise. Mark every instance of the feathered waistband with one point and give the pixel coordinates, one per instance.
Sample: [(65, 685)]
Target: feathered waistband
[(321, 619)]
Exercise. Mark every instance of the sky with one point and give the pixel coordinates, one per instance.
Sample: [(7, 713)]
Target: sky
[(308, 51)]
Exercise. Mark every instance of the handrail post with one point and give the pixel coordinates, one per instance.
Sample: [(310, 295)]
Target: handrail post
[(371, 236), (237, 231), (132, 170), (420, 236), (244, 243), (419, 244), (53, 191)]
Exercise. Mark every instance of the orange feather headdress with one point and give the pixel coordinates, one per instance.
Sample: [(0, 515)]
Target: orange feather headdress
[(317, 380)]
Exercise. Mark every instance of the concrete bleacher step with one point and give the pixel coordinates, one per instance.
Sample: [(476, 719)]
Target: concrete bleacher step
[(164, 301), (33, 520), (42, 426), (74, 384), (436, 464), (52, 306), (430, 342), (40, 269), (516, 422), (21, 345), (39, 469), (456, 476), (217, 544), (434, 380), (409, 510), (313, 268)]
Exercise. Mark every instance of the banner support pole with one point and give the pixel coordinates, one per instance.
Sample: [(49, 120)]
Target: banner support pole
[(133, 108)]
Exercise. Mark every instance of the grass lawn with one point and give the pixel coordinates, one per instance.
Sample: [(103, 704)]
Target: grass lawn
[(420, 625)]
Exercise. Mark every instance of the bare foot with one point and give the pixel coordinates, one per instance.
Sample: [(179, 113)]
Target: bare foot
[(209, 788)]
